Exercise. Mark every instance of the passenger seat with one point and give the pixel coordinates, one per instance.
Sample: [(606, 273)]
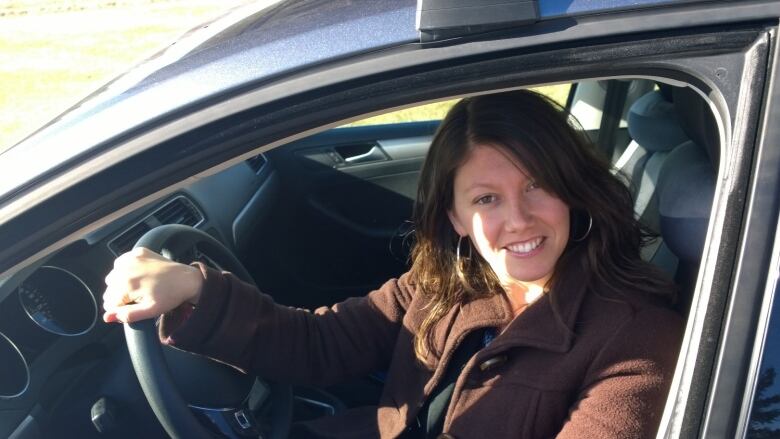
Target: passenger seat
[(686, 188), (671, 165), (655, 130)]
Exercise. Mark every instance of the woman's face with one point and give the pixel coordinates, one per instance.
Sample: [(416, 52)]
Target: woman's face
[(520, 229)]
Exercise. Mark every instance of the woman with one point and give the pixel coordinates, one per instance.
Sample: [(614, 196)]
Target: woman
[(527, 311)]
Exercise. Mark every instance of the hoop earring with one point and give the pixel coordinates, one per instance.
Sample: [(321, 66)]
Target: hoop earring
[(587, 232), (457, 251), (459, 263)]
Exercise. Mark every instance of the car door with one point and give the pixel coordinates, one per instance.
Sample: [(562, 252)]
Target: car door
[(340, 226), (725, 53), (759, 417)]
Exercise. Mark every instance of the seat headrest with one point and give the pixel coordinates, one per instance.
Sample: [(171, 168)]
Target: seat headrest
[(686, 188), (652, 122), (697, 121)]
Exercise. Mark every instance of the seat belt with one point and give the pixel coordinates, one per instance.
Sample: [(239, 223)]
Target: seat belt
[(430, 420)]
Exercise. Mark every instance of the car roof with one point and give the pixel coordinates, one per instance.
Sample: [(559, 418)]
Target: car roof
[(244, 49)]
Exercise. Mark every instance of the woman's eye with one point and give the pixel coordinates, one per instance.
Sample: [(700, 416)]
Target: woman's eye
[(532, 185), (485, 199)]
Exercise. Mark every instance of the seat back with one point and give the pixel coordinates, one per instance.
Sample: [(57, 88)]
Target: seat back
[(686, 187), (655, 130)]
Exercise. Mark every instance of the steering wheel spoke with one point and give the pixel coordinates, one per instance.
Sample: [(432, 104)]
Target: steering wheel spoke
[(180, 386), (234, 423)]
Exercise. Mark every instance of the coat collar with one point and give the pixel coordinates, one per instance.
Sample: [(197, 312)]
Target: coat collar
[(537, 326)]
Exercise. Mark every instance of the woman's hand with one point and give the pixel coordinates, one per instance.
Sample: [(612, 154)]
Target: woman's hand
[(144, 285)]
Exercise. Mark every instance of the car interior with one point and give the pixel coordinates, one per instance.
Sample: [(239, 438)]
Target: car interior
[(317, 221)]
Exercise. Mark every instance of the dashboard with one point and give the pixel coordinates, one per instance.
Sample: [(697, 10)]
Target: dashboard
[(55, 350), (312, 227)]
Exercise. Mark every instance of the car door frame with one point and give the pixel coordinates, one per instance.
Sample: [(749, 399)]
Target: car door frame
[(735, 371), (97, 189)]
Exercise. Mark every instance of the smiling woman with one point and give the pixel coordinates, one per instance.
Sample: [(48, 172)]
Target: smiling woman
[(228, 148), (505, 172)]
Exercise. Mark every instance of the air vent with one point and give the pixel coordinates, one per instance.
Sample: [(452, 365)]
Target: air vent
[(257, 162), (180, 210), (125, 241)]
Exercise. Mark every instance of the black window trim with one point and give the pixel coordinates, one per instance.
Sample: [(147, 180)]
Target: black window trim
[(207, 152)]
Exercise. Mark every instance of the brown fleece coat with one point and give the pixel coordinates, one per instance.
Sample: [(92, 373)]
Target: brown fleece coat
[(607, 378)]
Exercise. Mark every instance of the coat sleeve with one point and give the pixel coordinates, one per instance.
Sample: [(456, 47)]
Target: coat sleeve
[(625, 388), (238, 325)]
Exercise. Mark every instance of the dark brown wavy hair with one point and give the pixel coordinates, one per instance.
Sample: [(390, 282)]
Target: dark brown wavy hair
[(540, 134)]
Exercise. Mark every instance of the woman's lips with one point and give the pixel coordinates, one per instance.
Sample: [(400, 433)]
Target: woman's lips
[(526, 248)]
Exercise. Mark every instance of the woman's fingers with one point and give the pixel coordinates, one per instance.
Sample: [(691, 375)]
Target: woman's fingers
[(128, 305), (121, 294), (109, 317), (131, 313), (143, 284), (136, 312)]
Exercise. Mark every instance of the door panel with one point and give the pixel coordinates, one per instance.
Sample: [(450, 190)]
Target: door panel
[(338, 230)]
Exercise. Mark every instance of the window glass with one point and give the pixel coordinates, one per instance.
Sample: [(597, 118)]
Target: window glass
[(437, 110), (590, 96), (764, 421), (587, 102)]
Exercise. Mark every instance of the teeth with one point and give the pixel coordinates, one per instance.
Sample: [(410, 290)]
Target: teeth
[(525, 247)]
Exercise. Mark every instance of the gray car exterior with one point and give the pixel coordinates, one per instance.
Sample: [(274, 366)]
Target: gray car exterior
[(266, 76)]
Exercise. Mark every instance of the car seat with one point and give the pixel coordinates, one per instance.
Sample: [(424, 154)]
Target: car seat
[(655, 131), (654, 127), (686, 187)]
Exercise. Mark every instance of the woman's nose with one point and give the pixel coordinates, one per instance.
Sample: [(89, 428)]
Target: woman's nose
[(518, 217)]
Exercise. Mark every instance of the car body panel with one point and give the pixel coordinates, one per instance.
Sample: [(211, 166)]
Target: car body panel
[(260, 44), (557, 8), (121, 110), (753, 274), (110, 167), (376, 63)]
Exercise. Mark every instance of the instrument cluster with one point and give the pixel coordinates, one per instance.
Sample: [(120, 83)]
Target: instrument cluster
[(56, 301)]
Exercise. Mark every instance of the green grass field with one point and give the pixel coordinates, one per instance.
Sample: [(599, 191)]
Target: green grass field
[(54, 53)]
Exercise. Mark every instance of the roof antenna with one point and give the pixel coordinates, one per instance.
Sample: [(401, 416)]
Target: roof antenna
[(442, 19)]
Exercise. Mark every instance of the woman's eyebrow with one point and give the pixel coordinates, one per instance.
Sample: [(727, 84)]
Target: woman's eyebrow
[(492, 185), (479, 185)]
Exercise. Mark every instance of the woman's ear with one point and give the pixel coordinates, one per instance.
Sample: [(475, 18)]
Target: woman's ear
[(459, 229)]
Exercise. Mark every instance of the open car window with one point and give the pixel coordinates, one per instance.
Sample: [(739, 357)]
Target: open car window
[(319, 214)]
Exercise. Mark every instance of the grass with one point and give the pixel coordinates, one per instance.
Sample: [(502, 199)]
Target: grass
[(54, 53)]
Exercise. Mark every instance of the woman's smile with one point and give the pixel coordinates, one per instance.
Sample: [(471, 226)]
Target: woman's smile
[(518, 227), (526, 249)]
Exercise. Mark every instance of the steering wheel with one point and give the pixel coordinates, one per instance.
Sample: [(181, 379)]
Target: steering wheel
[(200, 387)]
